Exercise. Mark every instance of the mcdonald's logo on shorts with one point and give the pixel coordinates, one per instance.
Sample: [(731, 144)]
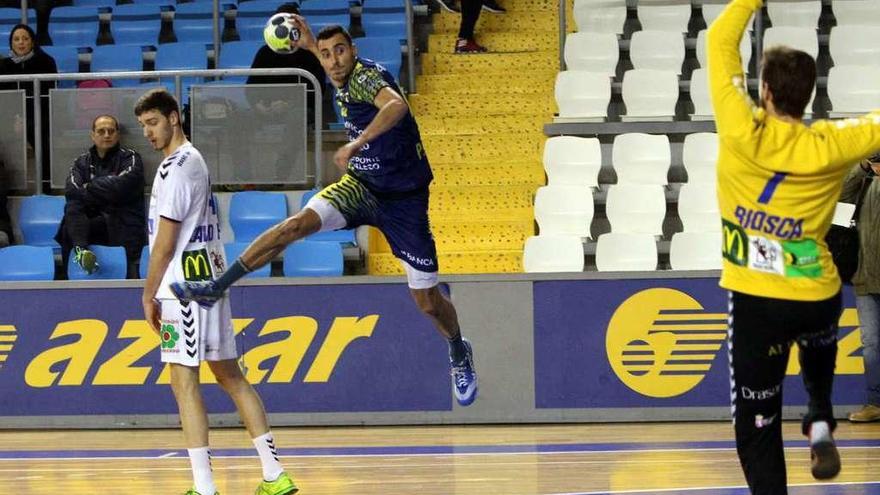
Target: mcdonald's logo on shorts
[(196, 266)]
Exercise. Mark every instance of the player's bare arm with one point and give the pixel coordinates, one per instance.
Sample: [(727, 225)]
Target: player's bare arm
[(392, 107), (160, 257), (307, 39)]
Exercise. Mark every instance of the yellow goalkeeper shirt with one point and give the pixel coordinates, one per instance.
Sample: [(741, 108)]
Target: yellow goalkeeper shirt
[(778, 181)]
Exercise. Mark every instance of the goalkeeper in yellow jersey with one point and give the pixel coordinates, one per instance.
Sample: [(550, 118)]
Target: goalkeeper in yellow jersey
[(778, 183)]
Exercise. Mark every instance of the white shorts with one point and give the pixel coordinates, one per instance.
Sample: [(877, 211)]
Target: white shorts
[(332, 219), (191, 334)]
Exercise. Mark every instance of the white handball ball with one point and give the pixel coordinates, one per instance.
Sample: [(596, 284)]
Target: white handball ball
[(280, 33)]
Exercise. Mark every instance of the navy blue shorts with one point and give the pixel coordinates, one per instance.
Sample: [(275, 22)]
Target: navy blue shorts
[(402, 218)]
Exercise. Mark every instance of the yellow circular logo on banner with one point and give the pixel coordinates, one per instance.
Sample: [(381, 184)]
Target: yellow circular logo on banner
[(661, 343)]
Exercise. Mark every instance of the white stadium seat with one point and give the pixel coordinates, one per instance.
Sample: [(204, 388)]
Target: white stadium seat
[(640, 158), (626, 252), (698, 208), (659, 50), (700, 157), (553, 254), (799, 38), (801, 13), (583, 95), (745, 50), (600, 16), (649, 95), (855, 46), (564, 210), (853, 89), (665, 15), (695, 251), (856, 12), (592, 52), (636, 208), (700, 95), (572, 161)]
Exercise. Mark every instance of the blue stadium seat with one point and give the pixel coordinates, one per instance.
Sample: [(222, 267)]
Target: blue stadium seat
[(325, 7), (252, 212), (179, 56), (74, 26), (111, 264), (136, 24), (388, 22), (319, 22), (234, 250), (237, 55), (67, 60), (11, 16), (145, 261), (27, 263), (313, 259), (341, 236), (118, 58), (251, 17), (194, 22), (154, 2), (384, 51), (39, 218), (94, 3)]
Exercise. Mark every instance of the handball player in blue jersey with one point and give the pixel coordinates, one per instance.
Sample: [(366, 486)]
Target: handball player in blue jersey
[(385, 185)]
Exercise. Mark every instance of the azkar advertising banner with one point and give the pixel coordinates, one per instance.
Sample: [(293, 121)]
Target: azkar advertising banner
[(655, 343), (338, 348)]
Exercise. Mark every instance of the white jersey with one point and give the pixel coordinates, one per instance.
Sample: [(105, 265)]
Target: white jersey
[(182, 193)]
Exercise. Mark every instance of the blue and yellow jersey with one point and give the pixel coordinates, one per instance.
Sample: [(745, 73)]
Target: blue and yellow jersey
[(395, 161), (778, 181)]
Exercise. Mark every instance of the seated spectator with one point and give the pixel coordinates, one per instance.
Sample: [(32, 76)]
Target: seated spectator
[(299, 59), (105, 200), (26, 57)]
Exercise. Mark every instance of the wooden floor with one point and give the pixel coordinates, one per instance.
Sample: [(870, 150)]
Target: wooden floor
[(681, 458)]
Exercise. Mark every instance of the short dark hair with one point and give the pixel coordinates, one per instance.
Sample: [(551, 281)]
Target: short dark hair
[(105, 116), (791, 75), (157, 99), (332, 30), (288, 8)]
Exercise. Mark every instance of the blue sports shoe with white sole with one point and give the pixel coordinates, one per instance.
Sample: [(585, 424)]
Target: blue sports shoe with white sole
[(204, 293), (464, 377)]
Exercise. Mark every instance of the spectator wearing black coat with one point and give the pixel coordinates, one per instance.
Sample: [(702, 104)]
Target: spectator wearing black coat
[(105, 200), (26, 57)]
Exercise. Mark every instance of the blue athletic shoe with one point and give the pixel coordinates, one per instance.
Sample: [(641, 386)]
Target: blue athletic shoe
[(204, 293), (464, 377)]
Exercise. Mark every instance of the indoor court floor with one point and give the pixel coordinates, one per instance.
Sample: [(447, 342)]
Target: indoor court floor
[(669, 459)]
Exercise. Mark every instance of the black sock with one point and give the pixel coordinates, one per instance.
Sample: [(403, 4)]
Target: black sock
[(230, 276), (457, 349)]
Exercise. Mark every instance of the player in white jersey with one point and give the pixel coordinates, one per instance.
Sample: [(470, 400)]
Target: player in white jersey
[(185, 245)]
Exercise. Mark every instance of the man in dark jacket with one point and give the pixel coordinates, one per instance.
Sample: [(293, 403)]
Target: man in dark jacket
[(105, 200)]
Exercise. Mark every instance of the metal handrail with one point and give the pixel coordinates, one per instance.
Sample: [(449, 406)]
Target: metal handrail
[(177, 75)]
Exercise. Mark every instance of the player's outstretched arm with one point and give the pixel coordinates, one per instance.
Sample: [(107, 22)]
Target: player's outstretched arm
[(734, 108), (307, 40)]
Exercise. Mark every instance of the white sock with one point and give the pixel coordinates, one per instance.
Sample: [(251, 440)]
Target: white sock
[(265, 445), (819, 432), (203, 478)]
